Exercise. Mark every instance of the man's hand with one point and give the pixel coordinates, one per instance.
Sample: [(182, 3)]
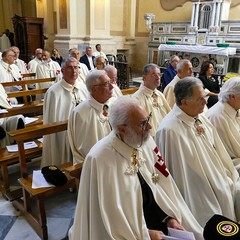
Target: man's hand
[(173, 223), (155, 234)]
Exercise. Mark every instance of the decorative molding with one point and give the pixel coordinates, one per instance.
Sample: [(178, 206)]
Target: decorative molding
[(171, 5)]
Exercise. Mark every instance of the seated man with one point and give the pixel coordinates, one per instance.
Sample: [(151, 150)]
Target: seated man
[(126, 191), (196, 157), (150, 98), (59, 101), (224, 115), (9, 123), (88, 122), (100, 62)]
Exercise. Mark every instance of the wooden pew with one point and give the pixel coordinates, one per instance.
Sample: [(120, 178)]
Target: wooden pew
[(26, 75), (129, 91), (28, 107), (37, 221)]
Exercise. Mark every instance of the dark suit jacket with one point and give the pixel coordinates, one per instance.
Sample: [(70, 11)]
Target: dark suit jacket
[(84, 59)]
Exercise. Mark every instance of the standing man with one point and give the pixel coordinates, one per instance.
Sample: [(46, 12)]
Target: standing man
[(9, 72), (99, 51), (47, 69), (88, 122), (184, 69), (171, 71), (59, 101), (224, 115), (112, 74), (150, 98), (82, 68), (88, 59), (126, 191), (10, 36), (32, 65), (196, 157), (20, 63)]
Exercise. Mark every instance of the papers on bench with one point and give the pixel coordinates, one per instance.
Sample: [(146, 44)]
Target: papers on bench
[(27, 145), (175, 234), (38, 180), (17, 105), (28, 120), (3, 110)]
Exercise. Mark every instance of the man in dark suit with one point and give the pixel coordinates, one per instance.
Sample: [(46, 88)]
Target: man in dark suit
[(88, 59)]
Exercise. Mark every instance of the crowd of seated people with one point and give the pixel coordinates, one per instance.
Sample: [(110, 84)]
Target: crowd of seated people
[(152, 159)]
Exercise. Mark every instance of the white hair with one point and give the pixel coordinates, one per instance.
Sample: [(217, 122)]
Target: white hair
[(231, 87), (93, 78)]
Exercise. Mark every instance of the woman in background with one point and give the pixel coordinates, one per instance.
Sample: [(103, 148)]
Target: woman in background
[(56, 56), (210, 83)]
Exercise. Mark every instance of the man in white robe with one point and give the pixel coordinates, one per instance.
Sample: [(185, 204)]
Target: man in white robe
[(112, 74), (82, 68), (9, 72), (20, 63), (150, 97), (47, 69), (9, 123), (59, 101), (118, 174), (32, 65), (184, 69), (88, 122), (196, 157), (224, 115)]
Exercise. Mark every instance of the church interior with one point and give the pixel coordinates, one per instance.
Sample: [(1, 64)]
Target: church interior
[(144, 31)]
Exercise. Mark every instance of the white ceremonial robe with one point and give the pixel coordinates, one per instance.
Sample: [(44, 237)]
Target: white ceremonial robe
[(116, 91), (159, 108), (59, 101), (9, 123), (169, 91), (200, 165), (32, 65), (21, 65), (109, 204), (9, 74), (86, 126), (224, 119), (82, 72)]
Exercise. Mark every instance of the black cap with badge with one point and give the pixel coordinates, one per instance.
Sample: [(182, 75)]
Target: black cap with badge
[(221, 228)]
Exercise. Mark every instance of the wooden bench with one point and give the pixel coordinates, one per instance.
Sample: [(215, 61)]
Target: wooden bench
[(129, 91), (37, 220)]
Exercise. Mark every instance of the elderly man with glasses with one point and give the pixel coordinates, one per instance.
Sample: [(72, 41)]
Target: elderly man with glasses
[(126, 191), (150, 97), (88, 122)]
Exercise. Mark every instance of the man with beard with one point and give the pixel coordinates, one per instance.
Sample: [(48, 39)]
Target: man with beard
[(126, 191)]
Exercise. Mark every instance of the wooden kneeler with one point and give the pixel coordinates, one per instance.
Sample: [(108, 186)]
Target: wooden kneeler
[(37, 219)]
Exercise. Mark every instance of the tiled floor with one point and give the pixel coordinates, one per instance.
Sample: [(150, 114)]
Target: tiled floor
[(59, 210)]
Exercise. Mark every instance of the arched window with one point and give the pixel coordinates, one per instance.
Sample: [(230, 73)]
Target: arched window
[(205, 17)]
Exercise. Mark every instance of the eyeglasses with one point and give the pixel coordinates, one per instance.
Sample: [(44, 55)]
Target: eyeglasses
[(146, 122), (101, 63), (106, 84), (71, 68)]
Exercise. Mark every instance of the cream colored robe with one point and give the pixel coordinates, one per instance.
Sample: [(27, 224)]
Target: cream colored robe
[(224, 118), (86, 126), (109, 204), (200, 166), (159, 109), (82, 72), (58, 104), (32, 65), (9, 123)]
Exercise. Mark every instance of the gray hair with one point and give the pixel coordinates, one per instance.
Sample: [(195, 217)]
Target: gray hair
[(73, 50), (67, 60), (93, 78), (173, 57), (97, 57), (184, 88), (181, 64), (110, 68), (148, 67), (231, 87), (6, 52), (119, 111)]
